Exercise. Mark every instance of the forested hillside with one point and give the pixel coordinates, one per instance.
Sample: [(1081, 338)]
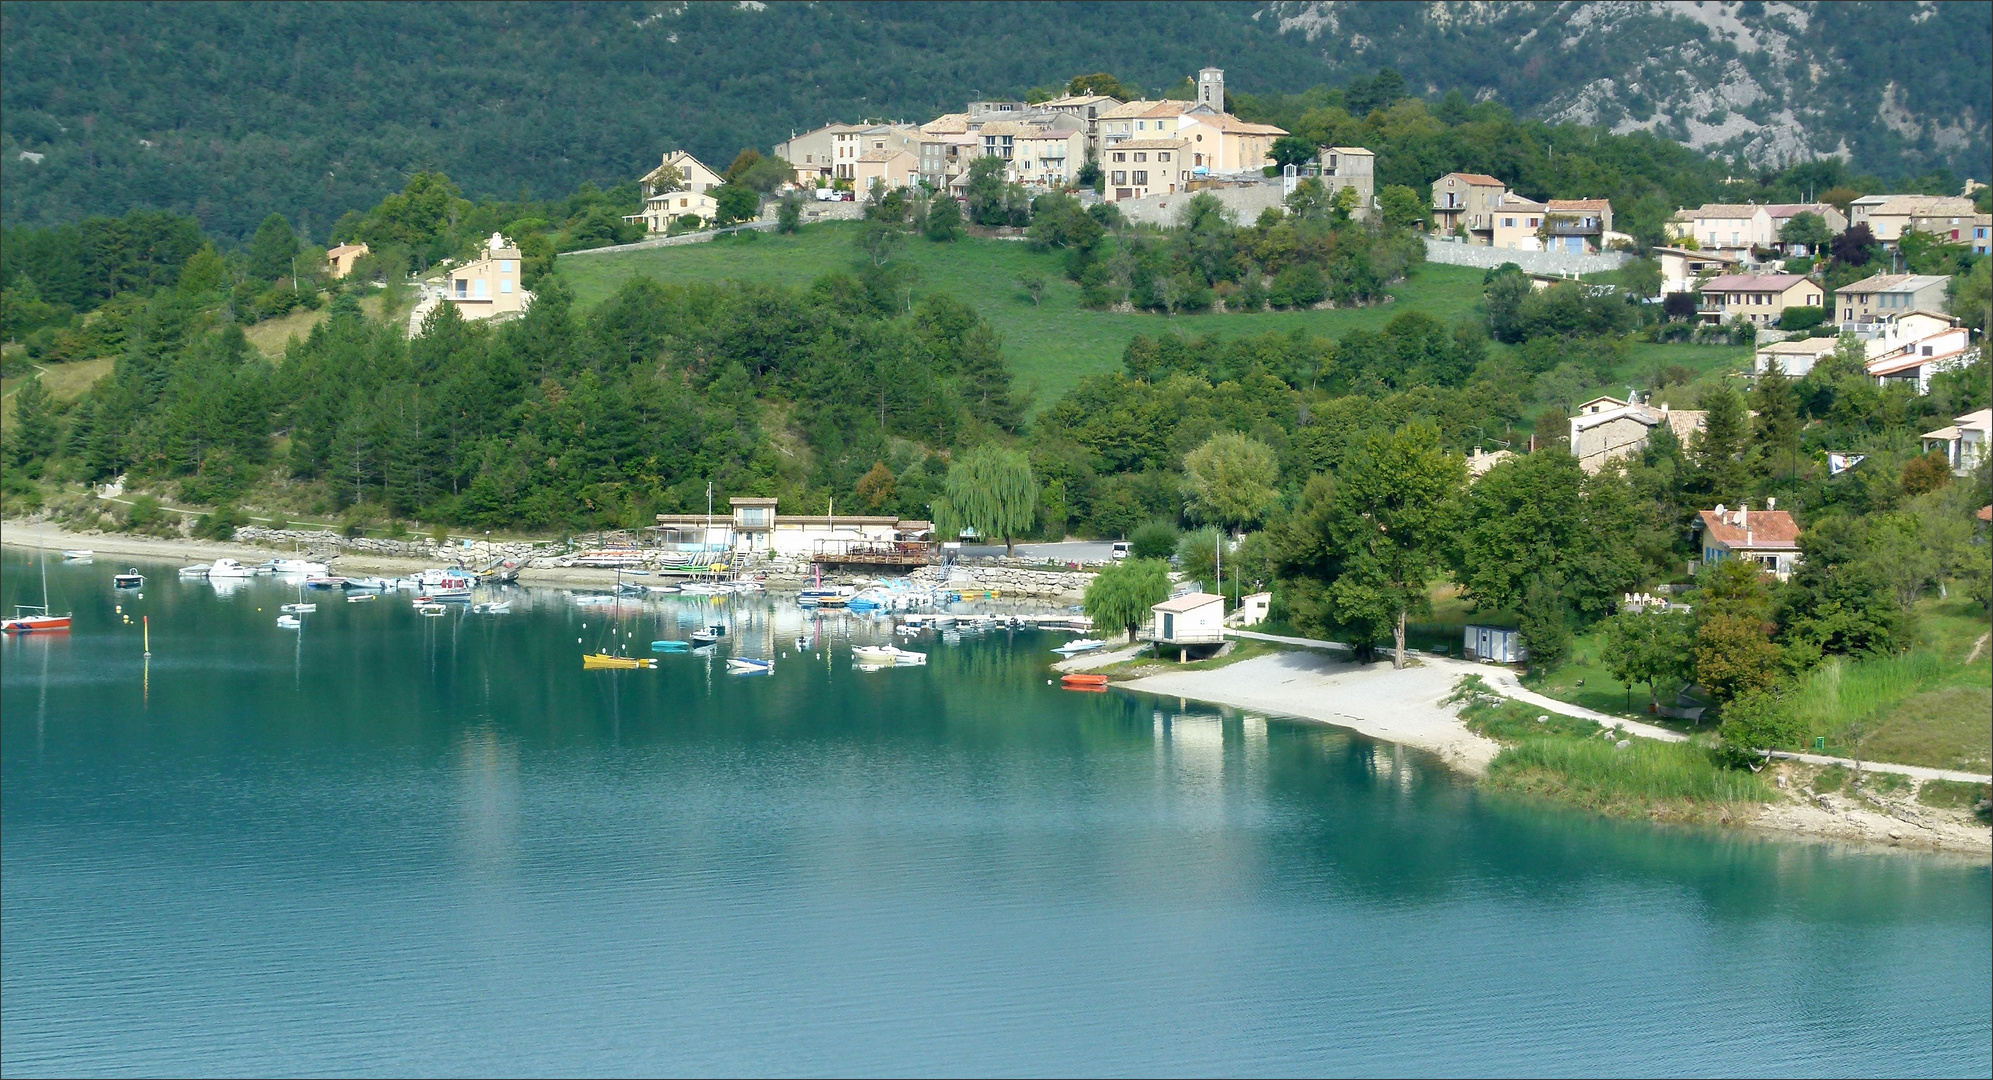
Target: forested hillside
[(231, 112)]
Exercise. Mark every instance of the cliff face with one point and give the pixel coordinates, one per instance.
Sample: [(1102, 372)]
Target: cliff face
[(1894, 89)]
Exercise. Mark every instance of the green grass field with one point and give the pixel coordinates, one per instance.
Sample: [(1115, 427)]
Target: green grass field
[(1052, 344)]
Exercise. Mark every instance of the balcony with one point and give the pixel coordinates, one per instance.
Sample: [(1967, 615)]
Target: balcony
[(1575, 228)]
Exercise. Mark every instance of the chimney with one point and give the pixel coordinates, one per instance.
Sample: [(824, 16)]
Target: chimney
[(1744, 515), (1770, 505)]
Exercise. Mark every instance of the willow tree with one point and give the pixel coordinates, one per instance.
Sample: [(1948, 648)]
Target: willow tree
[(1121, 595), (992, 491)]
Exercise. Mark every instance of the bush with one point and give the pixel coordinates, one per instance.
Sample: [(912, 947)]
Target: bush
[(1801, 318), (1154, 540), (220, 523), (1756, 722)]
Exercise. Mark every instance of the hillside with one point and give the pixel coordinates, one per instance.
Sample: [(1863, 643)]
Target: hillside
[(1052, 344), (231, 112)]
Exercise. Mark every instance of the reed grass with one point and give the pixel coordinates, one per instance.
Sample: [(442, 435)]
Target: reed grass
[(1668, 781)]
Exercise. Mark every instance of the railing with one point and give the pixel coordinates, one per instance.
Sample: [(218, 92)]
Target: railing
[(874, 552), (1185, 637), (1574, 228)]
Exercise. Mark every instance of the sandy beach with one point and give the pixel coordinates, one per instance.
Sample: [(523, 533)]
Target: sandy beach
[(1398, 706)]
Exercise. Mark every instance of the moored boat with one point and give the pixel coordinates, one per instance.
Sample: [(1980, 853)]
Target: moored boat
[(79, 554), (1079, 645), (882, 655), (29, 619), (325, 582), (298, 566), (607, 661), (289, 622), (298, 609), (1082, 681), (448, 587), (669, 645), (130, 579), (709, 635), (362, 598), (229, 568), (747, 665), (200, 571)]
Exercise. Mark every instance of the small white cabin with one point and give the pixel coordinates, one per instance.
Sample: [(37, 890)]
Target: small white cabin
[(1182, 622), (1495, 645), (1252, 610)]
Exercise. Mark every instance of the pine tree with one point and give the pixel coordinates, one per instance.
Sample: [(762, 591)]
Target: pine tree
[(1776, 428), (1716, 451)]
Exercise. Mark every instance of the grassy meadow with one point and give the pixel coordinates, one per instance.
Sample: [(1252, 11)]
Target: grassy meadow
[(1051, 344)]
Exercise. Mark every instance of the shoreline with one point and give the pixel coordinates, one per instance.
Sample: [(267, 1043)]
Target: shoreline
[(1405, 707)]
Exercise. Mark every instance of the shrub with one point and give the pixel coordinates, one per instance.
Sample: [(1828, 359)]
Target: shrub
[(1801, 318), (1154, 540)]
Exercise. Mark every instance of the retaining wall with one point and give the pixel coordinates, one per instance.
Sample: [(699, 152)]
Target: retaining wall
[(1455, 253), (1007, 581)]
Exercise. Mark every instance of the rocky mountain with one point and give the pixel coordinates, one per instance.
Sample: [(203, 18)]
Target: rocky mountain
[(1892, 88)]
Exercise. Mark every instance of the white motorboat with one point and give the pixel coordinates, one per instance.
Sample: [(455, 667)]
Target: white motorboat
[(195, 571), (661, 590), (298, 566), (448, 587), (229, 568), (1079, 645), (79, 554), (882, 655), (130, 579), (747, 665), (289, 622), (298, 609), (500, 607), (368, 584)]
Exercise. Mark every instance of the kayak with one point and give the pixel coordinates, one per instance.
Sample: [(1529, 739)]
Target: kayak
[(604, 660)]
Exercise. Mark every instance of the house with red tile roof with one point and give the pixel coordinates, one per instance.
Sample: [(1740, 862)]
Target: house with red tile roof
[(1465, 202), (1768, 537)]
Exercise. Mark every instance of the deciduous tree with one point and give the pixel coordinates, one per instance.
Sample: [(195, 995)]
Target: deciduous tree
[(1231, 480), (1121, 595), (991, 491)]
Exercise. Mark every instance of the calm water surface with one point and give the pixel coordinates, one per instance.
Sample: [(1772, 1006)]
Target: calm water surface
[(401, 845)]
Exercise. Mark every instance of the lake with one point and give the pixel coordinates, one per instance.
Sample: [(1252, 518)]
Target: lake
[(390, 844)]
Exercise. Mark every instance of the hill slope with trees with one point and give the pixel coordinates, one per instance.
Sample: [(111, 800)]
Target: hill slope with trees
[(228, 113)]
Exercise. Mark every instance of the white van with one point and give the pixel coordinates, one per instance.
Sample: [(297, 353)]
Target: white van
[(1120, 549)]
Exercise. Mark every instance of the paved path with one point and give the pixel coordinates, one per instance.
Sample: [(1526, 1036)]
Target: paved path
[(1509, 684), (1080, 551)]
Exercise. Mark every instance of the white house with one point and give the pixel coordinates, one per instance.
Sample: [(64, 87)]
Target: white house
[(1795, 356), (1768, 537), (1917, 345), (752, 526), (1191, 620), (1964, 442)]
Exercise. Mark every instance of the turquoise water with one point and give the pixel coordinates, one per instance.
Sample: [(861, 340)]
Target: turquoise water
[(437, 846)]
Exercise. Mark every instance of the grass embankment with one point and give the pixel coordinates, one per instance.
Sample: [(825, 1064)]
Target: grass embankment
[(272, 336), (1575, 761), (1927, 706), (1241, 649), (1051, 344)]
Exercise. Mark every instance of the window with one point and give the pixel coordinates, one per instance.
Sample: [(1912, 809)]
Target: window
[(463, 289), (1927, 350), (1120, 177), (1508, 223), (505, 266), (1534, 222), (1164, 156), (1139, 156), (482, 290), (1141, 125), (1141, 176), (1121, 157), (505, 285), (754, 517)]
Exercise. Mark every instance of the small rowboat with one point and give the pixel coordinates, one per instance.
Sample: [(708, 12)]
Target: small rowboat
[(746, 665), (325, 583), (431, 610), (79, 554), (604, 661), (669, 645), (1080, 681), (363, 598), (130, 579), (298, 609)]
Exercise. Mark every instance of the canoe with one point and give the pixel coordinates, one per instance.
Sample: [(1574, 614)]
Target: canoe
[(1079, 679), (604, 661)]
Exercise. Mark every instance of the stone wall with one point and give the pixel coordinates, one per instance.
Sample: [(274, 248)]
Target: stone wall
[(1007, 581), (1245, 202), (1458, 253), (477, 552)]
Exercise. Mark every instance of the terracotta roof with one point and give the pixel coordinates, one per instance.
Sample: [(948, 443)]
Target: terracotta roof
[(1986, 513), (1579, 204), (1749, 282), (1188, 602), (345, 249), (1786, 210), (947, 124), (1128, 110), (1751, 529), (1477, 179)]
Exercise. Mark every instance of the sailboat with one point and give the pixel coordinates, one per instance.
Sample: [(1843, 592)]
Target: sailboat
[(28, 618)]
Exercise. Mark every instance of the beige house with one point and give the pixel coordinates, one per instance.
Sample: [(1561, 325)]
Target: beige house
[(693, 175), (1577, 225), (1465, 203), (1756, 298), (888, 168), (1889, 216), (661, 210), (1351, 167), (1087, 108), (1515, 223), (489, 286), (1138, 120), (1222, 143), (1048, 159), (1872, 300), (339, 261), (828, 153), (1779, 215), (1607, 429), (945, 156), (1732, 227), (1136, 168), (1683, 270), (1479, 462), (1794, 356)]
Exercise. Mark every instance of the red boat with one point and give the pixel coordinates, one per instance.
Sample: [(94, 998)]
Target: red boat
[(23, 624), (1085, 682), (29, 618)]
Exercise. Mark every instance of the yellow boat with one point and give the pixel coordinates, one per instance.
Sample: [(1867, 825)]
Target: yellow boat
[(604, 660)]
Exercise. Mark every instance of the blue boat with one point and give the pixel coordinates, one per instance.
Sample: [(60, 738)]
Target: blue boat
[(670, 646)]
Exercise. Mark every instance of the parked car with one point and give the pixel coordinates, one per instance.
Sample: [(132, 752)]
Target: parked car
[(1120, 549)]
